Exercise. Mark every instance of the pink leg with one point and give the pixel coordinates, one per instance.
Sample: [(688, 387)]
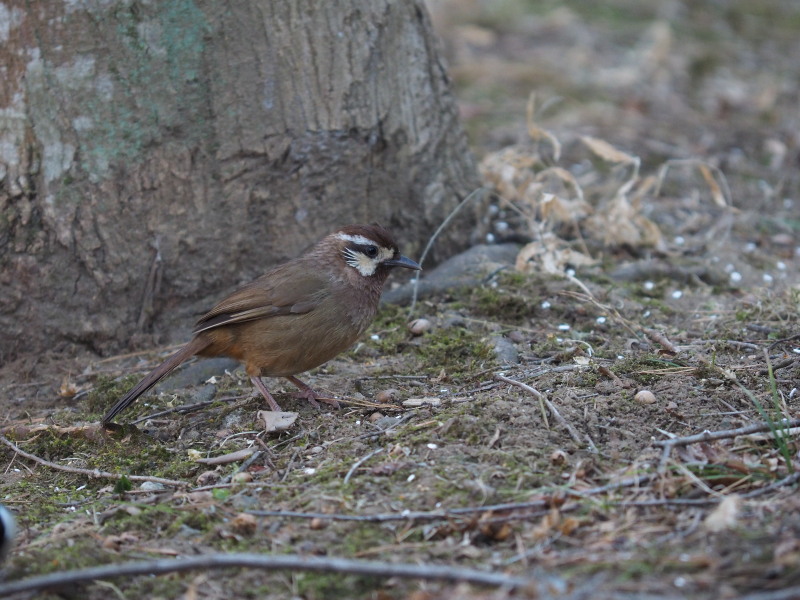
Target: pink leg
[(265, 392), (310, 395)]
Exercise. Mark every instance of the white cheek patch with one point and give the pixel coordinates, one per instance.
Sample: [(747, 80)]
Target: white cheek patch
[(362, 263)]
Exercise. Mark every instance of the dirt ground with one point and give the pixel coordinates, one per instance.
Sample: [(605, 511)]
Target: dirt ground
[(651, 190)]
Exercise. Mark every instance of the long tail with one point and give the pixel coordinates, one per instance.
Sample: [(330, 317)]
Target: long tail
[(161, 371)]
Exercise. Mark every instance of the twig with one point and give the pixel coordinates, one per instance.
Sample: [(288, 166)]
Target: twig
[(476, 193), (435, 515), (270, 563), (550, 406), (88, 472), (793, 478), (660, 339), (669, 502), (360, 462), (629, 482), (406, 515), (188, 408), (790, 593), (708, 436), (734, 343)]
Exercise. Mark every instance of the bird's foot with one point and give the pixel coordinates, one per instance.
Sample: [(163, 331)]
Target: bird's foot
[(307, 393)]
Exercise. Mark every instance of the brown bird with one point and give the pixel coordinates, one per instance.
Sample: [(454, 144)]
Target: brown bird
[(296, 316)]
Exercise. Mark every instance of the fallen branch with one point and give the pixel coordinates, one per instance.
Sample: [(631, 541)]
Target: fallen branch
[(270, 563), (550, 406), (95, 474)]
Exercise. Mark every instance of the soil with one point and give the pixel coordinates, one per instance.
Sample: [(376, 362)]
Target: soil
[(652, 294)]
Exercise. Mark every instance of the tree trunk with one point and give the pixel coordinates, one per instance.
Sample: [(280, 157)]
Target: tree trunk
[(156, 154)]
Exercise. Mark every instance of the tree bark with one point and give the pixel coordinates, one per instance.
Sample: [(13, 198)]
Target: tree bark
[(156, 154)]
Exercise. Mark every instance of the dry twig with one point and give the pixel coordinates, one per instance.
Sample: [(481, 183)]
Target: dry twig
[(270, 563), (708, 436), (360, 462), (96, 473)]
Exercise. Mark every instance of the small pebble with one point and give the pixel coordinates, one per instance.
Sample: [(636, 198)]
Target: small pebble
[(419, 326), (387, 396), (645, 397), (244, 524), (558, 457), (517, 337), (242, 477), (151, 486), (208, 478)]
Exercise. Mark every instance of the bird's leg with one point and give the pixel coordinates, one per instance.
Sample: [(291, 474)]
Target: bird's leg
[(265, 392), (310, 395)]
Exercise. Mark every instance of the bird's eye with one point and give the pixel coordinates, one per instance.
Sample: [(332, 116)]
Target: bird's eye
[(371, 251)]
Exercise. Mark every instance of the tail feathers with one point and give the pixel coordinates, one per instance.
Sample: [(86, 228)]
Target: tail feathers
[(161, 371)]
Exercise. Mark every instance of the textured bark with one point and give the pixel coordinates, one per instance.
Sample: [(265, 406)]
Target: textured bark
[(154, 154)]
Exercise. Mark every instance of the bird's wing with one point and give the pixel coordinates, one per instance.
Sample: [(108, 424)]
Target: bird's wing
[(280, 292)]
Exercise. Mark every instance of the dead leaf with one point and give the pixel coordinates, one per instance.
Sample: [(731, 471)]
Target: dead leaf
[(725, 515), (276, 421), (716, 190), (67, 389), (608, 152)]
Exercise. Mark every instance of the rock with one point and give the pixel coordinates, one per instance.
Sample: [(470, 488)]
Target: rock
[(196, 373), (505, 351)]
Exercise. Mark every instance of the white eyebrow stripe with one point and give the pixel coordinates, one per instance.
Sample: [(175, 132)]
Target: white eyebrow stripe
[(356, 239)]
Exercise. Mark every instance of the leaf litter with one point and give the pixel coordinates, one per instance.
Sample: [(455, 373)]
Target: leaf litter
[(478, 471)]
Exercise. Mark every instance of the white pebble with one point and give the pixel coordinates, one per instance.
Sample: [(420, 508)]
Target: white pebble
[(419, 326), (677, 294), (645, 397)]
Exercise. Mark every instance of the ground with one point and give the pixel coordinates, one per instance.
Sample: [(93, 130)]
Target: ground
[(651, 190)]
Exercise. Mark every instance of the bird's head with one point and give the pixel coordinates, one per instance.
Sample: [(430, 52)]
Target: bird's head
[(370, 250)]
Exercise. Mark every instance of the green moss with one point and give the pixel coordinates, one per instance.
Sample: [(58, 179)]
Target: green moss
[(107, 390)]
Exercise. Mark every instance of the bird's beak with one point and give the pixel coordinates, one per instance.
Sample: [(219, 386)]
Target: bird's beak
[(404, 262)]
